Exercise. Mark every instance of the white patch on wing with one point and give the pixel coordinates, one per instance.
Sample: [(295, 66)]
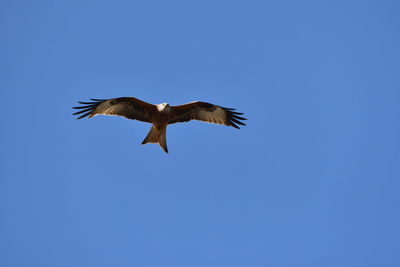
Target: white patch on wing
[(217, 116), (103, 107), (106, 108)]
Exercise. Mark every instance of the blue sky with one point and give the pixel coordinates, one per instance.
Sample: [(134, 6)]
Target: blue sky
[(312, 180)]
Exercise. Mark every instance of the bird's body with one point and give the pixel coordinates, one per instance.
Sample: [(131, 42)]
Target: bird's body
[(161, 115)]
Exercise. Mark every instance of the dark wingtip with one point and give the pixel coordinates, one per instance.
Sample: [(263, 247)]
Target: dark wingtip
[(87, 107), (230, 109), (234, 118), (84, 115)]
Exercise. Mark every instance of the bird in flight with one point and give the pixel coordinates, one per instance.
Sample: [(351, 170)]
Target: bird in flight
[(161, 115)]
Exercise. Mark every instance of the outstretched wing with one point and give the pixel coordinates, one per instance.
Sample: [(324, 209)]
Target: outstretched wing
[(128, 107), (207, 112)]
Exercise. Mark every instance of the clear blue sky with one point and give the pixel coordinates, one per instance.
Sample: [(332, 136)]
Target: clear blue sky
[(313, 180)]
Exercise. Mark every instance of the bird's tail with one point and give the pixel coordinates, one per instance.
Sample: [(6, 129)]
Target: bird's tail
[(157, 136)]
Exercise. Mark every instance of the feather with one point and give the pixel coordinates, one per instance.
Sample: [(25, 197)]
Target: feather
[(161, 115)]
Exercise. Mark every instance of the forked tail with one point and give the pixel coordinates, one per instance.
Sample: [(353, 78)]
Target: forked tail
[(157, 136)]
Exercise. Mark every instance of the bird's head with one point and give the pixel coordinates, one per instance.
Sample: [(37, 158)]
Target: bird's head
[(163, 107)]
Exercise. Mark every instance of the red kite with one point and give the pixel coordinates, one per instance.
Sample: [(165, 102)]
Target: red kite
[(160, 115)]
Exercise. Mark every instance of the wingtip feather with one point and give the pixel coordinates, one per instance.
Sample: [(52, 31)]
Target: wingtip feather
[(87, 108)]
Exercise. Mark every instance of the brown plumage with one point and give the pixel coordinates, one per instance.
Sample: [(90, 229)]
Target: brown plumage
[(160, 115)]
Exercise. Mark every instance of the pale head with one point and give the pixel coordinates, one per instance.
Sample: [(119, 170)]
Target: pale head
[(163, 107)]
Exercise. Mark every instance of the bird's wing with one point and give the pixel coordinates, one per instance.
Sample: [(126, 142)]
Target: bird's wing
[(128, 107), (207, 112)]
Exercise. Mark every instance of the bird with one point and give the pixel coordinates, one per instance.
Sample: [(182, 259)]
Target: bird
[(161, 115)]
